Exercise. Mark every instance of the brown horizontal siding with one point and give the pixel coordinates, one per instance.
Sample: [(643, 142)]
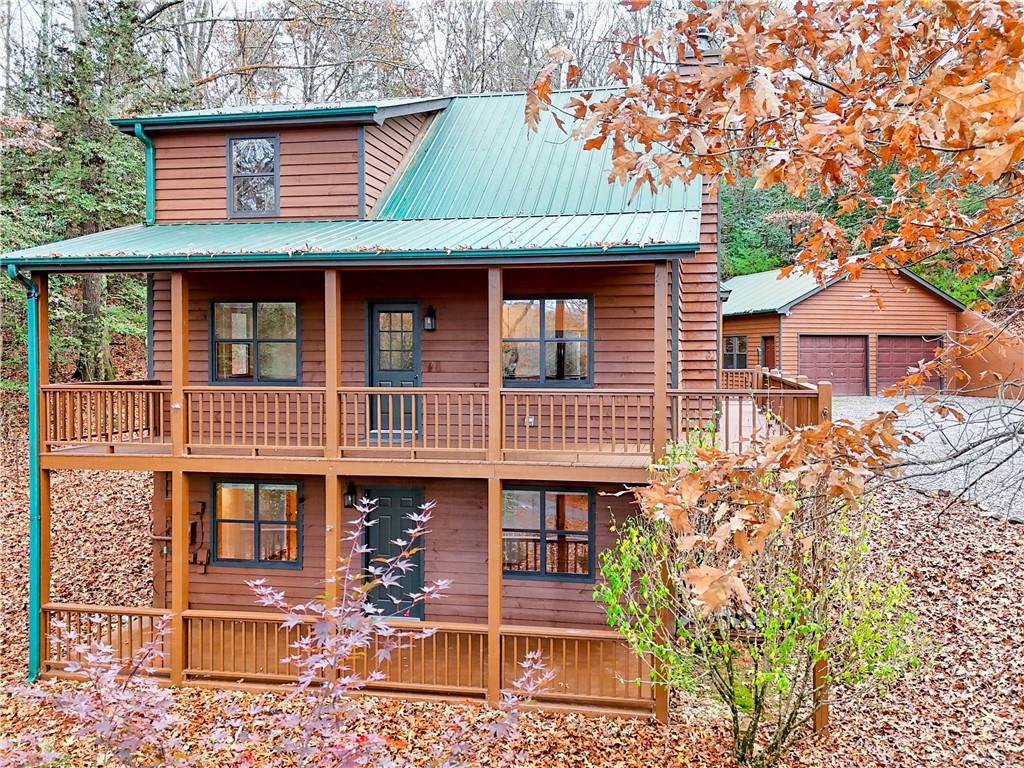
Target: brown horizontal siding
[(161, 333), (698, 303), (754, 327), (847, 308), (387, 148), (287, 285), (319, 173), (455, 549), (455, 355)]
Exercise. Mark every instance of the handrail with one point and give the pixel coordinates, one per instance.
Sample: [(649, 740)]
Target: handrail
[(412, 390), (149, 384), (400, 623), (262, 387), (105, 610), (560, 632)]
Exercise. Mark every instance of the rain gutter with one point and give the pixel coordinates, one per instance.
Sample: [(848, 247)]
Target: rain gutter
[(35, 530), (147, 142)]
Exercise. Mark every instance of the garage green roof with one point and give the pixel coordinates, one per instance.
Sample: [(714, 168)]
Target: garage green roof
[(769, 292)]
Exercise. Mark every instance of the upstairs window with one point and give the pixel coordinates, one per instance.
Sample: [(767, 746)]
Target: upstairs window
[(257, 523), (547, 341), (253, 176), (255, 342), (734, 352), (548, 533)]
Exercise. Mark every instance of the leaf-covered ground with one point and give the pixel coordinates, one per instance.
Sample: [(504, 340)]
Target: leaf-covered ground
[(965, 709)]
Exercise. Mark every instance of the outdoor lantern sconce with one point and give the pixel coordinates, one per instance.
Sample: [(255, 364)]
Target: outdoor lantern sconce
[(430, 319), (349, 499)]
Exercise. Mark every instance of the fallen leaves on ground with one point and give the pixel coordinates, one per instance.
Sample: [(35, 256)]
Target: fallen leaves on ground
[(966, 708)]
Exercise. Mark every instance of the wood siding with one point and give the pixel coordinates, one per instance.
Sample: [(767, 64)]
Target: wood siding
[(455, 549), (698, 303), (754, 327), (386, 149), (455, 355), (846, 308), (319, 173)]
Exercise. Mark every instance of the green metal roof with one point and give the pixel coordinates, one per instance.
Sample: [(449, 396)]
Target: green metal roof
[(551, 237), (763, 292), (480, 159), (481, 186), (378, 109), (766, 292)]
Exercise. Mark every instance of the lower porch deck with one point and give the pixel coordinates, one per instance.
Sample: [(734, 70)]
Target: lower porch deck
[(593, 669)]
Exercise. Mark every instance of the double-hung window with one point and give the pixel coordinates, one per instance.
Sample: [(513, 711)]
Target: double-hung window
[(257, 523), (253, 176), (256, 342), (548, 533), (734, 352), (547, 340)]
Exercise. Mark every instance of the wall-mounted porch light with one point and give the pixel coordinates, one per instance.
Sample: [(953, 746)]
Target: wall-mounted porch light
[(349, 499), (430, 319)]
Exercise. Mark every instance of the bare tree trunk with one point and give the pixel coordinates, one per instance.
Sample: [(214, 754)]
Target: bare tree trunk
[(94, 354)]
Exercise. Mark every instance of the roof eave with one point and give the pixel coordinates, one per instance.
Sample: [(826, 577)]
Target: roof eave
[(369, 113), (142, 263)]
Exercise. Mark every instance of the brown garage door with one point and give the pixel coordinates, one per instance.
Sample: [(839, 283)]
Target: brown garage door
[(898, 353), (839, 359)]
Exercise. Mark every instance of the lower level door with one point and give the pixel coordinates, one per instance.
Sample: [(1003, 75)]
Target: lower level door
[(391, 521)]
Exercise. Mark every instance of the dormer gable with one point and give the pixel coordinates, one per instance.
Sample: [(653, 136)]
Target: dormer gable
[(277, 163)]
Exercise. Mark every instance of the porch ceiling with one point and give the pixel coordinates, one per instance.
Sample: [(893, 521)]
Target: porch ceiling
[(457, 240)]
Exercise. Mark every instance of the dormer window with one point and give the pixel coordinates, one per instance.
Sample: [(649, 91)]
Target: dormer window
[(253, 163)]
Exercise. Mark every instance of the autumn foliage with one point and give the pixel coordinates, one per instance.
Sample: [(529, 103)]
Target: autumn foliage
[(818, 96)]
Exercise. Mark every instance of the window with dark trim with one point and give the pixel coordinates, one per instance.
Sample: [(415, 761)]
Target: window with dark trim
[(255, 342), (548, 533), (253, 176), (734, 351), (257, 523), (547, 340)]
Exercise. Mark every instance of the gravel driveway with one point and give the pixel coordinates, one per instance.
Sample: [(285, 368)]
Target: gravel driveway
[(992, 472)]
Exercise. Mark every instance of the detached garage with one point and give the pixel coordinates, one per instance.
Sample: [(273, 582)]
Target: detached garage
[(836, 332)]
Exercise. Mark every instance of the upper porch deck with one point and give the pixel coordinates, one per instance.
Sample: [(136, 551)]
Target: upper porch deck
[(446, 402)]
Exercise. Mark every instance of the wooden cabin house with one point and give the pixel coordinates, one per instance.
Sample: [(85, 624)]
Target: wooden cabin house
[(405, 300)]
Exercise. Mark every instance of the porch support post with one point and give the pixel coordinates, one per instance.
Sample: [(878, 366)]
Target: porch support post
[(659, 431), (179, 361), (332, 362), (495, 418), (493, 591), (332, 533), (179, 573), (43, 378)]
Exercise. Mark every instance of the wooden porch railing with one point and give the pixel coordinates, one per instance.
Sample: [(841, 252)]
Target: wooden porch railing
[(419, 422), (572, 420), (240, 645), (729, 418), (126, 630), (741, 378), (105, 414), (592, 667), (255, 418), (451, 660), (413, 419)]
